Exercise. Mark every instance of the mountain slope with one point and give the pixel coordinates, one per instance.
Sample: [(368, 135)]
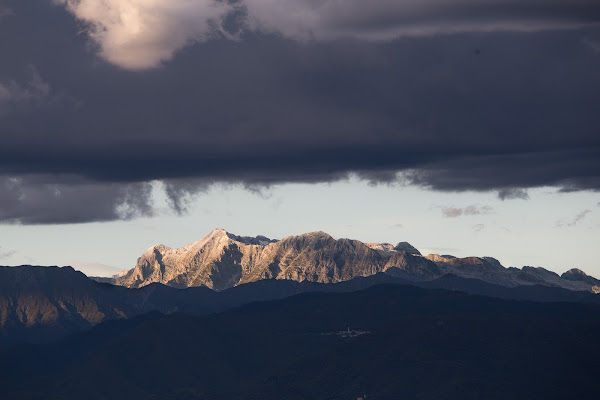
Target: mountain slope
[(221, 260)]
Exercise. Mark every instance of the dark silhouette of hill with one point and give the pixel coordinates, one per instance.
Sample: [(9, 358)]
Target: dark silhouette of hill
[(421, 343), (529, 292), (448, 357), (41, 304)]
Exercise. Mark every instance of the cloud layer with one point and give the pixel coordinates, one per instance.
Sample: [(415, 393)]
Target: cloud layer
[(487, 111), (141, 34)]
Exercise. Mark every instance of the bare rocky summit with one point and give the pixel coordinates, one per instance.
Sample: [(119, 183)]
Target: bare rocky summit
[(222, 260)]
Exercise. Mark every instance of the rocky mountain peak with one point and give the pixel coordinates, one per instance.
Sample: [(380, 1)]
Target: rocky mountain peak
[(259, 240), (316, 235), (574, 272), (438, 258), (577, 275), (156, 248), (217, 233), (221, 260), (27, 276), (493, 261), (386, 247), (407, 247)]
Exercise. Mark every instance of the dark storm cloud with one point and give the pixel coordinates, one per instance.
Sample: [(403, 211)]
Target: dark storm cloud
[(502, 111), (513, 193), (44, 200), (136, 36)]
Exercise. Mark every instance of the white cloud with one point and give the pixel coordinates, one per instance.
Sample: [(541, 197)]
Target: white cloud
[(140, 34)]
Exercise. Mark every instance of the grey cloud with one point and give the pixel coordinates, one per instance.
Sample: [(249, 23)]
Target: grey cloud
[(478, 227), (498, 172), (15, 97), (33, 94), (261, 191), (181, 192), (581, 216), (453, 212), (573, 222), (513, 193), (6, 254), (477, 210), (593, 44), (396, 226), (39, 200)]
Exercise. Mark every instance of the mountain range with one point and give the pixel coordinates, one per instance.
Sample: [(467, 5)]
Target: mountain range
[(305, 317), (222, 260), (223, 271)]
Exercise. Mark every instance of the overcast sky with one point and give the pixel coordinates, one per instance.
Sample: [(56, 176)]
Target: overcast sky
[(465, 127)]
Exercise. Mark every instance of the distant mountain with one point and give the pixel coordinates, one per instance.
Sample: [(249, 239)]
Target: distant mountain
[(223, 260), (404, 343)]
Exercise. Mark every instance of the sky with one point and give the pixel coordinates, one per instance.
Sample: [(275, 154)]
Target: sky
[(463, 127)]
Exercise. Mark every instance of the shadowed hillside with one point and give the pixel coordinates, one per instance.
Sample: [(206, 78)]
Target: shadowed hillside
[(411, 342)]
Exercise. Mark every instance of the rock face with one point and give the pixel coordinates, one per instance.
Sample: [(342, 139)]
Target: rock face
[(407, 247), (222, 260), (55, 300), (577, 275)]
